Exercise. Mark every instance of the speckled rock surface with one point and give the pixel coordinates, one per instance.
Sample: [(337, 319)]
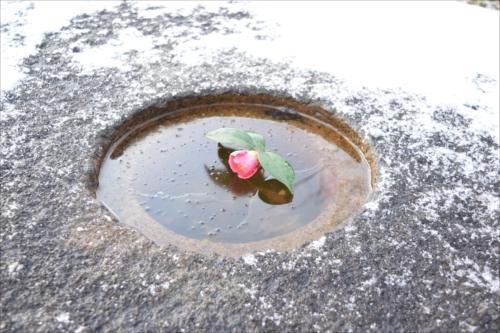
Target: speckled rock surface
[(421, 256)]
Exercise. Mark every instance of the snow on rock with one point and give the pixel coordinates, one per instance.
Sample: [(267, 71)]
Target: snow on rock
[(418, 80), (24, 24)]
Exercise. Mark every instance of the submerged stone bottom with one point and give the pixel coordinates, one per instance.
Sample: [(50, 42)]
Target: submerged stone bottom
[(164, 178)]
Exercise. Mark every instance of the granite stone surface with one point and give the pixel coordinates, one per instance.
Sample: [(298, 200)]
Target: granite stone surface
[(422, 255)]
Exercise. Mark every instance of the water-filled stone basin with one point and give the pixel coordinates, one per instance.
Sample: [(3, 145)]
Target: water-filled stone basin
[(163, 177)]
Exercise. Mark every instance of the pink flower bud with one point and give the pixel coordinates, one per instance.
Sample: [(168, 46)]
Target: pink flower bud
[(244, 163)]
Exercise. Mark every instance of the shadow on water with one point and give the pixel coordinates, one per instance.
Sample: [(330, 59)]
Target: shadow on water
[(269, 191)]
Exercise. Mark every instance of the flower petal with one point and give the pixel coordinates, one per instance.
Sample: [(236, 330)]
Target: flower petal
[(244, 163)]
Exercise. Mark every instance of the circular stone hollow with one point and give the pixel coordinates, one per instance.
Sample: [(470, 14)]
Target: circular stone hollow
[(163, 177)]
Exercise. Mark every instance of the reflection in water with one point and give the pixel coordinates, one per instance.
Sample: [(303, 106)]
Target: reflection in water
[(270, 191), (182, 180), (275, 193)]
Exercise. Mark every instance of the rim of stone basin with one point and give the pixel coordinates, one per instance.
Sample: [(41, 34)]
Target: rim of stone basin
[(163, 236)]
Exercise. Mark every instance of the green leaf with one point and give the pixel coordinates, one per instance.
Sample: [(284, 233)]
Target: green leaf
[(258, 141), (278, 168), (232, 138)]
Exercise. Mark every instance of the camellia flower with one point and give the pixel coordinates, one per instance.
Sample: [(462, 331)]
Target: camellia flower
[(253, 155), (244, 163)]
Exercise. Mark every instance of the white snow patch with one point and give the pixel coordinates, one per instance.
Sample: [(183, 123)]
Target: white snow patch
[(356, 248), (425, 309), (10, 209), (483, 105), (249, 259), (63, 317), (492, 201), (10, 111), (250, 291), (468, 327), (432, 202), (394, 279), (317, 244), (485, 279), (152, 9), (482, 277), (14, 268), (30, 21), (116, 53), (264, 303), (369, 282), (166, 283), (372, 205), (80, 329), (419, 61), (350, 228), (413, 57), (275, 318)]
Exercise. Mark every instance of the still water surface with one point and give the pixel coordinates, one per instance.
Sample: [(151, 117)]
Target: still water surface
[(181, 179)]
